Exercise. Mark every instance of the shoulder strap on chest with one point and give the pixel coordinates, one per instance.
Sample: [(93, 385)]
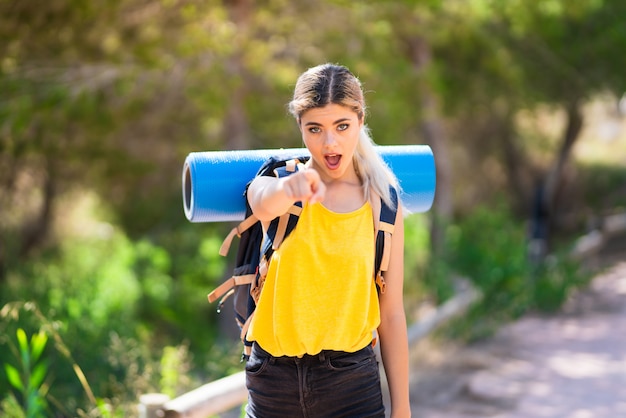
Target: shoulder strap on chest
[(251, 234), (280, 227), (384, 231)]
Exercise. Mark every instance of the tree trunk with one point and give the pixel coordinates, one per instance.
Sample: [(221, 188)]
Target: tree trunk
[(553, 182), (433, 133), (513, 162), (236, 127), (36, 231)]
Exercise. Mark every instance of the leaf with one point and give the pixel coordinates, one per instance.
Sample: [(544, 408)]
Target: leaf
[(103, 408), (11, 407), (38, 375), (22, 341), (35, 405), (38, 344), (14, 377)]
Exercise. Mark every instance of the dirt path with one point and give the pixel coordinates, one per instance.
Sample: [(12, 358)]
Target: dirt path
[(568, 365)]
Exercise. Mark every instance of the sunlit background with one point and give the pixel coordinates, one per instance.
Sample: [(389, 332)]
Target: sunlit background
[(103, 281)]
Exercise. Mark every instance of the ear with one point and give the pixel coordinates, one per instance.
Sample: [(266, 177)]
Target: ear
[(299, 124)]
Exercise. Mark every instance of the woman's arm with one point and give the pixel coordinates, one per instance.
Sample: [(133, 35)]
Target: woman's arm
[(392, 330), (270, 197)]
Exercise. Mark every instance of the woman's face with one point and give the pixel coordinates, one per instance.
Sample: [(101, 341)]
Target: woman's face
[(331, 134)]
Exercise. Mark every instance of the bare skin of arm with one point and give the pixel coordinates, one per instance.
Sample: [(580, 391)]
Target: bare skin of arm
[(392, 330)]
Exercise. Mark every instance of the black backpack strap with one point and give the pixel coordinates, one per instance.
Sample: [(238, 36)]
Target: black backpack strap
[(278, 229), (385, 230), (249, 231), (255, 248)]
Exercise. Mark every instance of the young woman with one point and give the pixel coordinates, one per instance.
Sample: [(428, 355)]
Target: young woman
[(319, 307)]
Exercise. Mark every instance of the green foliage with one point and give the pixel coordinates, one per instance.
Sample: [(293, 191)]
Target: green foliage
[(554, 280), (425, 278), (175, 369), (107, 98), (91, 283), (10, 407), (416, 252), (489, 247), (439, 280), (105, 292), (134, 368), (139, 369), (604, 186), (27, 380), (15, 313)]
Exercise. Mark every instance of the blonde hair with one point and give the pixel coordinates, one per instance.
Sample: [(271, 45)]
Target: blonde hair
[(335, 84)]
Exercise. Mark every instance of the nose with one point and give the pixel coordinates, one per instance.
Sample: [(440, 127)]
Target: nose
[(329, 139)]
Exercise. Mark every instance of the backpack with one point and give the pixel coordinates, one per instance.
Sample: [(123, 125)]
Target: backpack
[(255, 250)]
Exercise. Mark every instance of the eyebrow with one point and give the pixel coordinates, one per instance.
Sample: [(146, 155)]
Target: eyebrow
[(338, 121)]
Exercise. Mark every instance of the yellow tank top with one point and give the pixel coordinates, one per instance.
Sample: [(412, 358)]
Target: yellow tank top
[(319, 293)]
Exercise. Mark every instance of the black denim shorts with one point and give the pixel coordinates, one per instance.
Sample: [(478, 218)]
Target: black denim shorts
[(330, 384)]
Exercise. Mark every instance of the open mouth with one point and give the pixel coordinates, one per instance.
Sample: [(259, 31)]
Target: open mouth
[(332, 161)]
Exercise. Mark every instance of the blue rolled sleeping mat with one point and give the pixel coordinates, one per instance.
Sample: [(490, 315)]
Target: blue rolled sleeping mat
[(213, 182)]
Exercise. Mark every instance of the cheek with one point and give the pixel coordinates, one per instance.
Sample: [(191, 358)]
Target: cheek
[(354, 138), (310, 143)]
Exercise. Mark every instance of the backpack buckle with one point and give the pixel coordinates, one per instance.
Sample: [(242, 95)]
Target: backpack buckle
[(380, 281)]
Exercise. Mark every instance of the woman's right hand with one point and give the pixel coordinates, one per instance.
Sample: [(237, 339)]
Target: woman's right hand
[(270, 197), (306, 185)]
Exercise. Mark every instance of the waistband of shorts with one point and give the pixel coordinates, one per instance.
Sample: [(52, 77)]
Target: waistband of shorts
[(322, 356)]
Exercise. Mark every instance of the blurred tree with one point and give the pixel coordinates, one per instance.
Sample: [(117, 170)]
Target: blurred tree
[(107, 98), (415, 29), (112, 96), (86, 90), (564, 52), (484, 63)]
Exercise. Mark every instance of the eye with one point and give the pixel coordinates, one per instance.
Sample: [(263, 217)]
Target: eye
[(315, 129), (342, 126)]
